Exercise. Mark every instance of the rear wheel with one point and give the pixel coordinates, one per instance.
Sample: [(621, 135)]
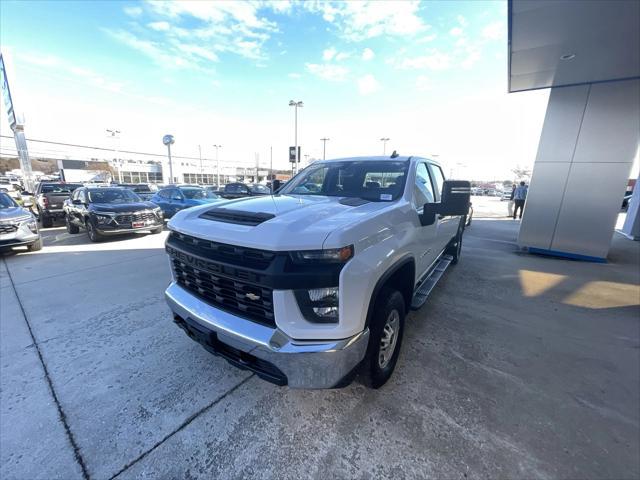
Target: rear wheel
[(35, 246), (385, 337), (455, 246), (93, 234), (46, 220), (71, 228)]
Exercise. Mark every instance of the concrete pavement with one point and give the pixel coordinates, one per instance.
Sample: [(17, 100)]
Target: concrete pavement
[(517, 366)]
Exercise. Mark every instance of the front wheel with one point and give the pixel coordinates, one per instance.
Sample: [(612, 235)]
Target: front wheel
[(385, 338), (93, 234), (35, 246)]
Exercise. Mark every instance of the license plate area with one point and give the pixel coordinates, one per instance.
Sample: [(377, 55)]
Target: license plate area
[(137, 224)]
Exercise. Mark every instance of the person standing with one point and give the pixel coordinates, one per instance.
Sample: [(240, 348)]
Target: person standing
[(519, 196), (510, 205)]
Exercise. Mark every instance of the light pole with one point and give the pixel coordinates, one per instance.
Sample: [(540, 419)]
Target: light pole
[(384, 141), (324, 147), (201, 171), (168, 140), (217, 165), (113, 133), (296, 105)]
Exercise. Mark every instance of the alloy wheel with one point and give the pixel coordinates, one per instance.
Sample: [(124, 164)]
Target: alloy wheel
[(389, 338)]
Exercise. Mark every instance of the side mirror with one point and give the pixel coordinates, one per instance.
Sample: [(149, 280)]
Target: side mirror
[(456, 195), (429, 212)]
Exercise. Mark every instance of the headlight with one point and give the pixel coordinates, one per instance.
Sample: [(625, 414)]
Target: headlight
[(319, 305), (157, 211), (331, 255), (102, 219), (33, 226)]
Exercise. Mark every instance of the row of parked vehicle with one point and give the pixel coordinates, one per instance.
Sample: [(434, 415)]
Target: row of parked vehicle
[(105, 210)]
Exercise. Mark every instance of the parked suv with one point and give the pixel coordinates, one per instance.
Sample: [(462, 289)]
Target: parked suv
[(18, 226), (239, 190), (309, 286), (104, 211), (50, 197), (172, 199)]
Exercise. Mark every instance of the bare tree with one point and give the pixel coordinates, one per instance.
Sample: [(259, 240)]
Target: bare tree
[(521, 173)]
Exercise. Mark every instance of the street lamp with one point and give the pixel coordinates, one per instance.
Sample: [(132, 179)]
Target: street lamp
[(296, 105), (113, 133), (217, 165), (168, 140), (324, 147), (384, 141)]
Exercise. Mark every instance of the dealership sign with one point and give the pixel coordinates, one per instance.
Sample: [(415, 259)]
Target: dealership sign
[(6, 94)]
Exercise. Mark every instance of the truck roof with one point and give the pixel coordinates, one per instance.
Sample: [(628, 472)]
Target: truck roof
[(401, 158)]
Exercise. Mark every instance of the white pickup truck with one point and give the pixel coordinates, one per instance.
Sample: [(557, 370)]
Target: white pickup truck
[(311, 285)]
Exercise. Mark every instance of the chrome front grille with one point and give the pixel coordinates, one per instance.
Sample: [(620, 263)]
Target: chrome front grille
[(128, 218), (5, 228)]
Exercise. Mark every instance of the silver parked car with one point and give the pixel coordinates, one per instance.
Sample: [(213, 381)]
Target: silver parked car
[(18, 227)]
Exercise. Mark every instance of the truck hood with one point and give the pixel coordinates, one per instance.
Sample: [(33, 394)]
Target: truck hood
[(290, 222), (7, 214)]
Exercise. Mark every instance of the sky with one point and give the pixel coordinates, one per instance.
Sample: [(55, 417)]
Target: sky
[(430, 76)]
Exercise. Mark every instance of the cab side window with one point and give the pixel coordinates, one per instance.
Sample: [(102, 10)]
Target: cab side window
[(438, 178), (423, 190), (74, 195), (166, 193), (82, 196)]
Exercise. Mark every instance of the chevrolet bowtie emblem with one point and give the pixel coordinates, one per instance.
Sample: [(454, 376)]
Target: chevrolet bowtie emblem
[(252, 296)]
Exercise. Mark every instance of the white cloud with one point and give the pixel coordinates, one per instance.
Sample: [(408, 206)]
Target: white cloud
[(456, 31), (357, 21), (423, 83), (462, 21), (151, 49), (434, 61), (427, 38), (472, 56), (224, 26), (328, 71), (294, 75), (159, 26), (367, 54), (342, 56), (328, 54), (494, 31), (133, 11), (368, 85)]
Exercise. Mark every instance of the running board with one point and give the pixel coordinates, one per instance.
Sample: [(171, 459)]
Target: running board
[(423, 291)]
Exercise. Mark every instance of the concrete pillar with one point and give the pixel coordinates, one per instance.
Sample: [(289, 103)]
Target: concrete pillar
[(587, 147), (631, 227)]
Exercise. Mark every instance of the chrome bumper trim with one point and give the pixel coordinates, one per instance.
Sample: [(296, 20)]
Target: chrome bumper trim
[(306, 363)]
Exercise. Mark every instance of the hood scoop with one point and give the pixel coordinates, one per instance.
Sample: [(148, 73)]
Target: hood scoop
[(238, 217)]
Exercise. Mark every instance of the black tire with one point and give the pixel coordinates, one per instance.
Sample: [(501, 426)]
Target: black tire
[(35, 246), (46, 221), (389, 309), (94, 236), (455, 246), (156, 231), (71, 228)]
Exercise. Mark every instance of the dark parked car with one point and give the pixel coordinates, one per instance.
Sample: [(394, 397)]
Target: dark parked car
[(50, 197), (143, 190), (175, 198), (110, 211), (239, 190)]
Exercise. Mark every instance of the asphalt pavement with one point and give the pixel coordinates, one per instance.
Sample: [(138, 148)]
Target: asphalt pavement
[(518, 366)]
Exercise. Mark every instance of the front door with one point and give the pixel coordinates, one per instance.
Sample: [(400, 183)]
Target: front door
[(426, 248)]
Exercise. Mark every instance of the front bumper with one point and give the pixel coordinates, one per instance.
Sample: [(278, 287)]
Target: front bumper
[(268, 352), (20, 237), (122, 231)]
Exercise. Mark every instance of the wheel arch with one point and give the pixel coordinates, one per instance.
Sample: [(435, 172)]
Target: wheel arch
[(400, 275)]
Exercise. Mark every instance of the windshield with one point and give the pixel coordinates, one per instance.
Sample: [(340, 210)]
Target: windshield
[(372, 180), (197, 193), (6, 201), (259, 189), (59, 188), (112, 195)]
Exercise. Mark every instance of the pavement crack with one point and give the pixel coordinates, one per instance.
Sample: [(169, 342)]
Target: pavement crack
[(63, 417), (184, 424)]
